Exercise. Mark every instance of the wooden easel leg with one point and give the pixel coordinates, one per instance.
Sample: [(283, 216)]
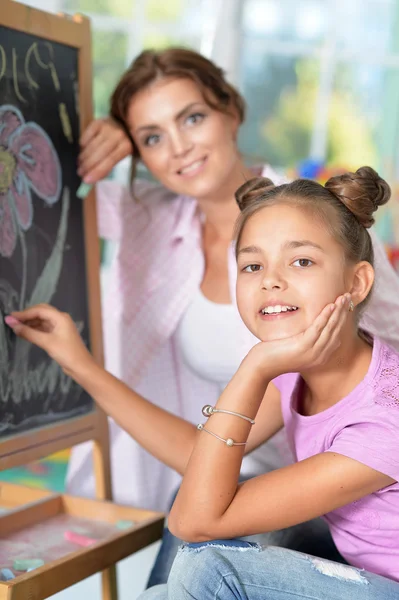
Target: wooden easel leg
[(102, 474), (109, 584)]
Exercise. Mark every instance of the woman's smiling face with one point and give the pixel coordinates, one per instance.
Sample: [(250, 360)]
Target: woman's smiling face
[(187, 145), (289, 268)]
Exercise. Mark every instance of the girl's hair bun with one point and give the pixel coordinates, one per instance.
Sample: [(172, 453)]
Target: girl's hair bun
[(361, 192), (252, 190)]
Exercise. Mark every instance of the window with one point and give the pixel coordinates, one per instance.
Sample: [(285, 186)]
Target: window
[(321, 78), (309, 68)]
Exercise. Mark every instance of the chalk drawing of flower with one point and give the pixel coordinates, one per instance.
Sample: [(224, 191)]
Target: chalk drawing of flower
[(28, 161)]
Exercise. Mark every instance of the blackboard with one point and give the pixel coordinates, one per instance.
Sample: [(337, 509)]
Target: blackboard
[(46, 87), (42, 238)]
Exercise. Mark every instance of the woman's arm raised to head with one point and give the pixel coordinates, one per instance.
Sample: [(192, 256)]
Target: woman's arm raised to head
[(104, 143), (381, 317)]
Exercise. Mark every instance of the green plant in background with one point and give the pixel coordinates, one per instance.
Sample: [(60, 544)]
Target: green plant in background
[(114, 8), (110, 48), (109, 52), (288, 128), (164, 11)]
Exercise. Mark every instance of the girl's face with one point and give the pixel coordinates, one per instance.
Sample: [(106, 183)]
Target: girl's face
[(289, 269), (188, 146)]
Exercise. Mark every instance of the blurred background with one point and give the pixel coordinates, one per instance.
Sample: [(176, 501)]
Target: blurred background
[(321, 77)]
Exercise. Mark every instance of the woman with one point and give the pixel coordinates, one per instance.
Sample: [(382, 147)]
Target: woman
[(172, 330)]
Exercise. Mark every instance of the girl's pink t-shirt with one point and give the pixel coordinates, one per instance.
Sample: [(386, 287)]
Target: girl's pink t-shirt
[(363, 426)]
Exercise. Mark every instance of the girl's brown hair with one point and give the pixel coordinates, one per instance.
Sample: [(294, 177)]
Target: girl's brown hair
[(152, 65), (346, 204)]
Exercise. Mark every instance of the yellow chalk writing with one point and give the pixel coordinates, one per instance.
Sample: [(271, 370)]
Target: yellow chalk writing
[(32, 58), (15, 76), (65, 122)]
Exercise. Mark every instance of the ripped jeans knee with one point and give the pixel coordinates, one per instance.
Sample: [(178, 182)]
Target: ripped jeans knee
[(235, 544), (338, 571), (241, 570)]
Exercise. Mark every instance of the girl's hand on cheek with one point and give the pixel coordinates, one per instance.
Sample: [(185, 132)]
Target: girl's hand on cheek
[(306, 350)]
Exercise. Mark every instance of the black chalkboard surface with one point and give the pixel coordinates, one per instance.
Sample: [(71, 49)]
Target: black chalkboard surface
[(42, 245)]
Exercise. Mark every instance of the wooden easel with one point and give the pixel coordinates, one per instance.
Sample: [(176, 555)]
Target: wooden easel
[(30, 506)]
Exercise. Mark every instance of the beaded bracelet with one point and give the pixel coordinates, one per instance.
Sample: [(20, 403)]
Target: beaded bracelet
[(209, 410), (229, 442)]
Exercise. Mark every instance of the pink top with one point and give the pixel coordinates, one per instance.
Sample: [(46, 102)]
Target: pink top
[(159, 269), (363, 426)]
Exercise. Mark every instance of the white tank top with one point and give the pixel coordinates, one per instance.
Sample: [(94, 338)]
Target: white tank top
[(209, 336)]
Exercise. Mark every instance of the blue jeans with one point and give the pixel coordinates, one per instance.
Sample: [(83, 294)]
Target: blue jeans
[(240, 570), (312, 537)]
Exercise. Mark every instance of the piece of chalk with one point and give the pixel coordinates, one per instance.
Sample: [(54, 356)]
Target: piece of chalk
[(77, 538), (6, 575), (23, 564), (124, 524), (83, 190)]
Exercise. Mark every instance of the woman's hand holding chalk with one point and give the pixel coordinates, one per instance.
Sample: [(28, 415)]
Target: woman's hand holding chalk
[(77, 538), (104, 143), (56, 333), (83, 190)]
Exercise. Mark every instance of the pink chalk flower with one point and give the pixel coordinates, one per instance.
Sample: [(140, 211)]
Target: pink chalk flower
[(28, 161)]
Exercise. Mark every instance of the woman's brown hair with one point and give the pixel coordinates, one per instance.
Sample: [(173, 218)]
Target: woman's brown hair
[(152, 65), (345, 204)]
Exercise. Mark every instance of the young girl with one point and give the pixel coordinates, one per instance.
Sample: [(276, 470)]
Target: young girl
[(304, 274)]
